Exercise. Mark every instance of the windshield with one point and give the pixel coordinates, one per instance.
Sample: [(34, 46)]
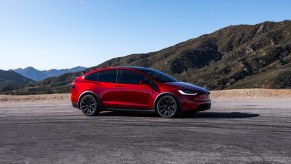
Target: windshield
[(157, 75)]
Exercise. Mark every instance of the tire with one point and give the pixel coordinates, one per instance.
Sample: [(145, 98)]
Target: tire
[(89, 105), (167, 106)]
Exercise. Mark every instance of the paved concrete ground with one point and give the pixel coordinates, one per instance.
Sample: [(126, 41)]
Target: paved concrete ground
[(245, 131)]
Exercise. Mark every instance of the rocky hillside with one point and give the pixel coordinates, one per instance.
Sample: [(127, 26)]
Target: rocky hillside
[(241, 56), (38, 75), (10, 80)]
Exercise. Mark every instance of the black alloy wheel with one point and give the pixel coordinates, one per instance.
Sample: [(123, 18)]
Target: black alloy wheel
[(167, 106), (89, 105)]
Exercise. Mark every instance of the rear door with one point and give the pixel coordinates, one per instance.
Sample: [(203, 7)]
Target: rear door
[(132, 93), (107, 88)]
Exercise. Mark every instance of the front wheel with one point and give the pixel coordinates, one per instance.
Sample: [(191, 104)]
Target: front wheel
[(167, 106), (89, 105)]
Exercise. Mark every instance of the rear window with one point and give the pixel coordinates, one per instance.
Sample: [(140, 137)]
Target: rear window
[(107, 76), (92, 76)]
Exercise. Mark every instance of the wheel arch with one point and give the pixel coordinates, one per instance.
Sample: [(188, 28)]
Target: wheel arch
[(88, 93), (163, 94)]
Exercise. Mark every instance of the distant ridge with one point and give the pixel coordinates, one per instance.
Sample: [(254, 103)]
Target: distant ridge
[(240, 56), (38, 75), (10, 80)]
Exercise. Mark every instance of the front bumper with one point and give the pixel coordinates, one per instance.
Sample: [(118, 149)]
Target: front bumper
[(202, 107), (195, 103), (196, 106)]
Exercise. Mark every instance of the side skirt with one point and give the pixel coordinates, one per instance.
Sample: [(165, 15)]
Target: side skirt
[(126, 109)]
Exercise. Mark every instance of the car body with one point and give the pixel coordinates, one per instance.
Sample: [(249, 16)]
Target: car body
[(136, 88)]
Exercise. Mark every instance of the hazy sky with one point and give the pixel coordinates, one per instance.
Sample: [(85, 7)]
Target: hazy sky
[(49, 34)]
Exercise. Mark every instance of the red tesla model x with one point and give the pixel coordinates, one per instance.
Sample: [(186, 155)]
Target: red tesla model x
[(136, 88)]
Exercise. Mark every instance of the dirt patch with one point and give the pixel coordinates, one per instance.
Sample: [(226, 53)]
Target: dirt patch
[(45, 98), (251, 93), (223, 94)]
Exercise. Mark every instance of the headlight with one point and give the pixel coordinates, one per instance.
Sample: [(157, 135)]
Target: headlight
[(187, 92)]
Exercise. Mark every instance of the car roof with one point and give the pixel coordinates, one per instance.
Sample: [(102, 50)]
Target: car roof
[(133, 67), (128, 67), (118, 67)]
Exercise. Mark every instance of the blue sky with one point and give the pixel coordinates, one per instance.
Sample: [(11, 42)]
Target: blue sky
[(49, 34)]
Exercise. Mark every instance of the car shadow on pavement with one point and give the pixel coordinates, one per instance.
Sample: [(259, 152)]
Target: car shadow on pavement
[(219, 115), (129, 113), (224, 115)]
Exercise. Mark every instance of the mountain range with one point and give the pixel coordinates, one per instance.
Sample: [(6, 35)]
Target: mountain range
[(17, 79), (240, 56), (10, 80), (38, 75)]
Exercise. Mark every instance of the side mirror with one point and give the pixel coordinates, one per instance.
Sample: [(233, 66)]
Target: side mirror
[(144, 82)]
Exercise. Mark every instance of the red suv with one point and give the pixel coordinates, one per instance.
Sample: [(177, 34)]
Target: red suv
[(130, 88)]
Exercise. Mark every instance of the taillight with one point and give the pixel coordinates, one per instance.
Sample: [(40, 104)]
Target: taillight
[(73, 84)]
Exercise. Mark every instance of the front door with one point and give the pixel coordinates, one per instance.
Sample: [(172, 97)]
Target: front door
[(132, 93)]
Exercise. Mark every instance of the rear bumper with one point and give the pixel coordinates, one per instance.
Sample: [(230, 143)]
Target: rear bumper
[(75, 105)]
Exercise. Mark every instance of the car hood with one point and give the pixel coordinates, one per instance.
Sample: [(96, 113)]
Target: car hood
[(189, 86)]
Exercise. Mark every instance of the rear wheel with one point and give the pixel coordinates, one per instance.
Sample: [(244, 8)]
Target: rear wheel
[(89, 105), (167, 106)]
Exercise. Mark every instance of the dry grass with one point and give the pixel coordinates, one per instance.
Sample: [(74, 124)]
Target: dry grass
[(45, 98), (251, 93), (223, 94)]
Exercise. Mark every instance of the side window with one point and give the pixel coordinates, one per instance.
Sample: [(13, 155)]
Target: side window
[(92, 76), (131, 77), (107, 76), (150, 81)]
